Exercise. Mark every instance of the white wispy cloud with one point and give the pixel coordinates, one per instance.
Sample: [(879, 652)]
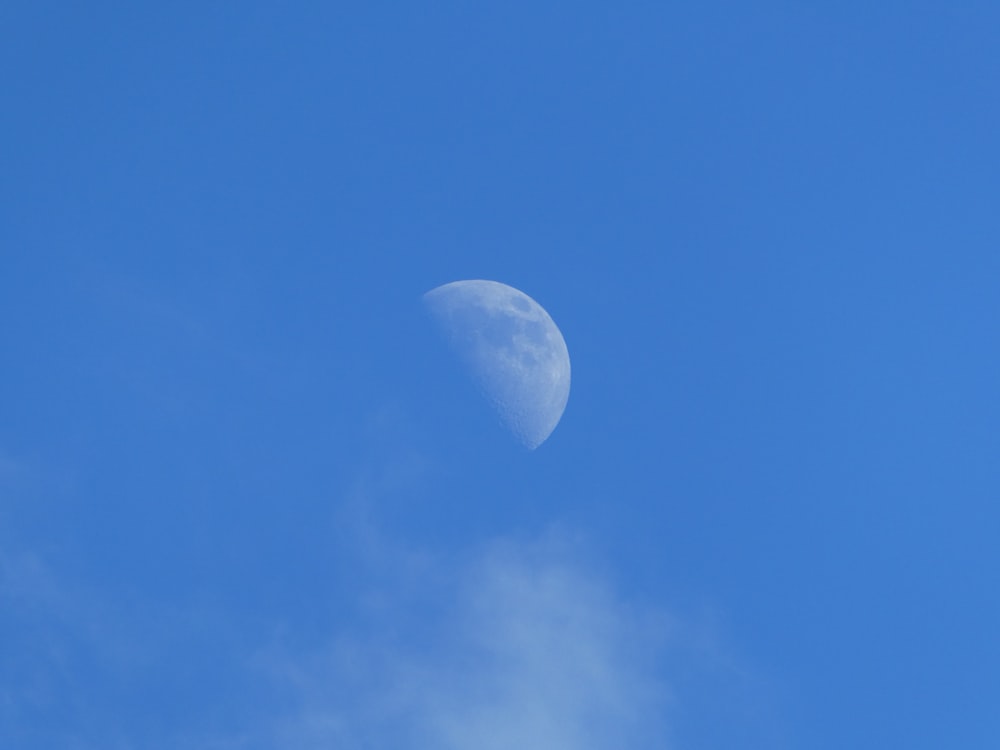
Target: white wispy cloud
[(526, 647), (509, 643)]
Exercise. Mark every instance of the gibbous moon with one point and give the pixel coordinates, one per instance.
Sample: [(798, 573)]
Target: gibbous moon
[(513, 350)]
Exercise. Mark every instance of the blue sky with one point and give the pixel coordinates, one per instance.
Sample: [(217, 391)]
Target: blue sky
[(248, 501)]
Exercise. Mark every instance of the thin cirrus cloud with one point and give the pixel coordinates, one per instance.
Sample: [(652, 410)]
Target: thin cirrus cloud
[(526, 648)]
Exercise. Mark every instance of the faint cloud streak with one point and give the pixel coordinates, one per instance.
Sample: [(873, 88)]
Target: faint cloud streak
[(527, 648)]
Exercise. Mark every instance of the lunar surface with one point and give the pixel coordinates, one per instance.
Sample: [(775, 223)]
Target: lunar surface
[(512, 349)]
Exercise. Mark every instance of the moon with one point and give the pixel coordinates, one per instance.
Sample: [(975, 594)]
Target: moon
[(513, 350)]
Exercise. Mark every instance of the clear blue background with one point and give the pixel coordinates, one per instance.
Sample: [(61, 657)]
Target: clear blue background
[(768, 232)]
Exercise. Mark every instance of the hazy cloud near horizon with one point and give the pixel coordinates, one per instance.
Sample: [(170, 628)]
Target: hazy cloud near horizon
[(523, 642), (525, 648)]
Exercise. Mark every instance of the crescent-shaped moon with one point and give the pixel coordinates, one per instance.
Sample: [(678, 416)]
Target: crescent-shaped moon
[(513, 350)]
